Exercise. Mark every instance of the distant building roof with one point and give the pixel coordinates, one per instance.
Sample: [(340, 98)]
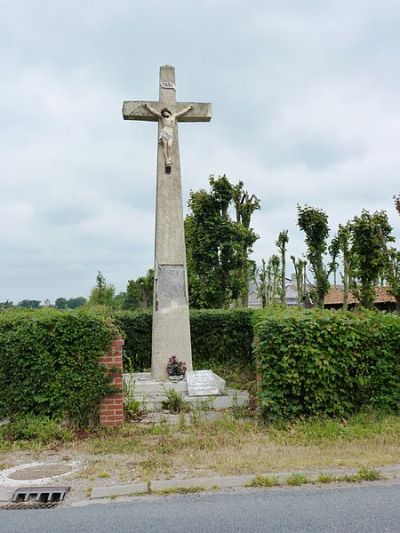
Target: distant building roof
[(335, 296)]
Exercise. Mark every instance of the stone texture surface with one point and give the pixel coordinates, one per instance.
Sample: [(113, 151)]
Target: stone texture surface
[(171, 328), (151, 393)]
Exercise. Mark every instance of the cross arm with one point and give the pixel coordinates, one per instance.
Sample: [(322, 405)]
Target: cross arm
[(135, 110), (199, 112)]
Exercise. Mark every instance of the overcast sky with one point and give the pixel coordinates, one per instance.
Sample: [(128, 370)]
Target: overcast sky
[(306, 109)]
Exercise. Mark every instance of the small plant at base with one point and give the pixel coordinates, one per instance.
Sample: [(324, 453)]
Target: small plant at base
[(131, 405), (367, 474), (175, 368), (264, 481), (131, 409), (180, 490), (326, 478), (297, 479), (174, 402)]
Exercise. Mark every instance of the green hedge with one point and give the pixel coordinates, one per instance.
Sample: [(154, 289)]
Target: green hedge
[(326, 362), (223, 336), (49, 364)]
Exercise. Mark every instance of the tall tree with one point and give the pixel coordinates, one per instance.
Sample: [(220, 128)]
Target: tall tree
[(139, 292), (218, 246), (8, 304), (314, 223), (61, 303), (261, 282), (74, 303), (370, 233), (396, 199), (245, 205), (29, 304), (103, 293), (341, 247), (300, 271), (281, 243), (274, 263), (393, 274)]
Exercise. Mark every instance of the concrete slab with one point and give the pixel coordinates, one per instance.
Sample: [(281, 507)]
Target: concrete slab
[(118, 490), (141, 383), (6, 493), (159, 485)]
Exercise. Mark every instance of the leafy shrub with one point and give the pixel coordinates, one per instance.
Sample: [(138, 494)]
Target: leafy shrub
[(324, 362), (220, 336), (49, 364), (33, 428), (136, 327)]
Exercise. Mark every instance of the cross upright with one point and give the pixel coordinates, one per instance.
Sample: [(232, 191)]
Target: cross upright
[(171, 328)]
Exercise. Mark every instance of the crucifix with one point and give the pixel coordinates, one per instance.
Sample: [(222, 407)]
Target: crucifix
[(171, 328)]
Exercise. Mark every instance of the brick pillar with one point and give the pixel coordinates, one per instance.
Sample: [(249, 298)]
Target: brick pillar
[(112, 407)]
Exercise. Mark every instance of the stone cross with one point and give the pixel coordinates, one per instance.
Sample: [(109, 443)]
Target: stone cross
[(171, 328)]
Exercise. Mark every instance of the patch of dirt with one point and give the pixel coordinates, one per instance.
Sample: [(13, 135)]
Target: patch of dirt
[(39, 472)]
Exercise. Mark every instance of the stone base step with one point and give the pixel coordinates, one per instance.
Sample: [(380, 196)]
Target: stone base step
[(142, 383), (231, 398)]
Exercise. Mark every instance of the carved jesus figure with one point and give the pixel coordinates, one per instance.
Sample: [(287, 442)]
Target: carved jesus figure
[(166, 136)]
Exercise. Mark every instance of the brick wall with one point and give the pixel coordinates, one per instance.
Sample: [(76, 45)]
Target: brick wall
[(112, 407)]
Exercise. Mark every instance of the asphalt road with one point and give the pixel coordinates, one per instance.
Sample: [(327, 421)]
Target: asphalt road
[(366, 508)]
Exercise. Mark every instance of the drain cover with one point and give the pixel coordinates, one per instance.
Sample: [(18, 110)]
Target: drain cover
[(40, 494)]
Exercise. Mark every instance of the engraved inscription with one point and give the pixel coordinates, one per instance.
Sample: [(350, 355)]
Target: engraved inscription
[(171, 286), (168, 85), (201, 383)]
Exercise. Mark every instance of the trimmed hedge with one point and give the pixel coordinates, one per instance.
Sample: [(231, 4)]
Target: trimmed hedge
[(326, 362), (223, 336), (49, 364)]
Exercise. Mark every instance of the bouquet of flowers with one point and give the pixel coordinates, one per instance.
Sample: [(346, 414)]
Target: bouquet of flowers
[(175, 368)]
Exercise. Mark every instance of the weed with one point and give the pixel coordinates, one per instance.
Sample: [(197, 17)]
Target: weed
[(131, 409), (34, 428), (349, 478), (103, 475), (174, 402), (326, 478), (264, 481), (297, 479), (180, 490), (131, 405), (366, 474)]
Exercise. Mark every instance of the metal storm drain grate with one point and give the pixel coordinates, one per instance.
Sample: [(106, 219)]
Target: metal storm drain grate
[(37, 497)]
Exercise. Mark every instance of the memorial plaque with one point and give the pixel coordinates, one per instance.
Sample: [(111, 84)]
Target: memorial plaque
[(202, 383), (171, 287)]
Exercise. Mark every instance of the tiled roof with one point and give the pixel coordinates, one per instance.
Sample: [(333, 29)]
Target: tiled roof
[(335, 296)]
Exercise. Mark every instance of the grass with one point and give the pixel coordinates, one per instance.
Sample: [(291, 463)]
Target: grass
[(229, 446), (295, 480), (179, 490), (264, 481)]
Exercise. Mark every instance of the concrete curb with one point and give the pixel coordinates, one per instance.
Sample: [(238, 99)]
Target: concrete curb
[(222, 482)]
